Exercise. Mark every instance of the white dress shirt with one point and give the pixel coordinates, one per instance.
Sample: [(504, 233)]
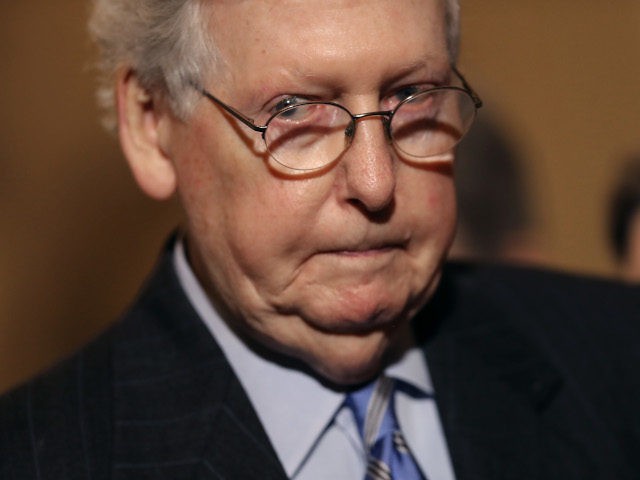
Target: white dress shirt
[(313, 433)]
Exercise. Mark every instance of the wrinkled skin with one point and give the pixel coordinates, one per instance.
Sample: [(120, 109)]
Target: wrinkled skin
[(327, 268)]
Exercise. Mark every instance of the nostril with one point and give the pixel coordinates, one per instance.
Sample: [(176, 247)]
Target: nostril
[(380, 214)]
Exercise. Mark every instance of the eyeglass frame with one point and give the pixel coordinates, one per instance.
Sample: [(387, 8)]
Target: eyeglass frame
[(387, 115)]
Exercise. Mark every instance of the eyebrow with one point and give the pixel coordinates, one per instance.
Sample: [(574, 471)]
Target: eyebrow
[(436, 68), (431, 67)]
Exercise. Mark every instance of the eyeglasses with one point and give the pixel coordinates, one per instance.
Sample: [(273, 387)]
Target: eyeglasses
[(310, 135)]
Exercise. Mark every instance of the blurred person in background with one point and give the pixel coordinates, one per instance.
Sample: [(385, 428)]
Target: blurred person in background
[(496, 220), (303, 322), (624, 221)]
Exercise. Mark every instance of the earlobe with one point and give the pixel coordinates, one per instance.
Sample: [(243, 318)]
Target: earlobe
[(138, 119)]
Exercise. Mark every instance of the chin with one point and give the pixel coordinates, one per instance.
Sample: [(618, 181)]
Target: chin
[(356, 309), (354, 359), (350, 373)]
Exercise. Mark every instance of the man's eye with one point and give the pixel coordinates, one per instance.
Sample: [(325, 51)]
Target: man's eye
[(405, 93), (400, 95), (286, 102)]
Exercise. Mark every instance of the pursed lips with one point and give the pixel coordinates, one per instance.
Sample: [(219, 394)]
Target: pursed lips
[(366, 250)]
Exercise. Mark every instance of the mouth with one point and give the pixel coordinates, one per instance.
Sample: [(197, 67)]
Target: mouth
[(366, 253), (367, 250)]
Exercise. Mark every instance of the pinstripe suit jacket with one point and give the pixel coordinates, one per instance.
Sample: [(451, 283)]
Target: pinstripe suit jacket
[(535, 375)]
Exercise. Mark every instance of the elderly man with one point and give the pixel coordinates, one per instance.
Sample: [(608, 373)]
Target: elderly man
[(302, 324)]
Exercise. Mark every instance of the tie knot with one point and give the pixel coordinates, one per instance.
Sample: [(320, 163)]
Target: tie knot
[(372, 407), (388, 455)]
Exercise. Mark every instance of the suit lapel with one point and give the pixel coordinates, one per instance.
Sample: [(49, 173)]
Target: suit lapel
[(507, 412), (238, 446), (180, 412), (491, 426)]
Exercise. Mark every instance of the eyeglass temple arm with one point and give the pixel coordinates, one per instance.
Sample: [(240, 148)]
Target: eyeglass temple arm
[(465, 84), (232, 111)]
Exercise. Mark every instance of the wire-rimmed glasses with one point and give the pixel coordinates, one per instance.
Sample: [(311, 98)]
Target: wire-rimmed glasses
[(310, 135)]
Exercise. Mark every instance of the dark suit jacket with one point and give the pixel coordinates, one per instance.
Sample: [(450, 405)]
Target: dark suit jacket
[(535, 376)]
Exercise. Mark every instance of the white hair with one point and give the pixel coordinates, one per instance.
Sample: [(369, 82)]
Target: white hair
[(167, 44)]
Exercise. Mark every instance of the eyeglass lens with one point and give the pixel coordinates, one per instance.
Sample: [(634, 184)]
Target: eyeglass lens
[(309, 136)]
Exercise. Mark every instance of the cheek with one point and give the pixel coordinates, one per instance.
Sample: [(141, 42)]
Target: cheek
[(269, 231), (432, 203), (257, 225), (272, 225)]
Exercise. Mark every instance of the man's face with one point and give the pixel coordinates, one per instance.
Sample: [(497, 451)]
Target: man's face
[(328, 268)]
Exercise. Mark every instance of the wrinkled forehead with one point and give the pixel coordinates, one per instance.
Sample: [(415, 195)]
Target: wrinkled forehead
[(316, 34)]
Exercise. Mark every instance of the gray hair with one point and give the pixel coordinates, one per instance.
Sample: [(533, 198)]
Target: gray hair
[(167, 43)]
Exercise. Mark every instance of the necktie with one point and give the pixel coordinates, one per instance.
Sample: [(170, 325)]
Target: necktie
[(389, 457)]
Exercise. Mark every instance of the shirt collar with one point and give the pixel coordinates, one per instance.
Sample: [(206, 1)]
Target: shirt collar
[(294, 408), (412, 369)]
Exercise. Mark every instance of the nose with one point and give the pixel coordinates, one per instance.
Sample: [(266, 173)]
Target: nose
[(369, 166)]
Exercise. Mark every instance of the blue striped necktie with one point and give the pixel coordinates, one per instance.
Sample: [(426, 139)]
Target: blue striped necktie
[(389, 457)]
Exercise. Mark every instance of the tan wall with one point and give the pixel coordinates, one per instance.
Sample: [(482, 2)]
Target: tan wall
[(78, 237), (565, 76)]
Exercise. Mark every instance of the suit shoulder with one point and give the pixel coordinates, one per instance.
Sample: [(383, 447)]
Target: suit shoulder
[(546, 289), (567, 312), (51, 424), (548, 336)]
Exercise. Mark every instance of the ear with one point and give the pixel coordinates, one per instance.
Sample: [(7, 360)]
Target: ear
[(138, 119)]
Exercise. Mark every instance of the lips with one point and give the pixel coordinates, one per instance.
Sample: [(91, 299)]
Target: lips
[(367, 248), (365, 253)]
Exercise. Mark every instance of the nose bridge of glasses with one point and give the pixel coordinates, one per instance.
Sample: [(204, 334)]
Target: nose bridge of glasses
[(385, 116)]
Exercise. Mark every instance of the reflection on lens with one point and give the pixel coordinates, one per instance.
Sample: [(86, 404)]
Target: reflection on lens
[(310, 137), (432, 123), (425, 126)]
